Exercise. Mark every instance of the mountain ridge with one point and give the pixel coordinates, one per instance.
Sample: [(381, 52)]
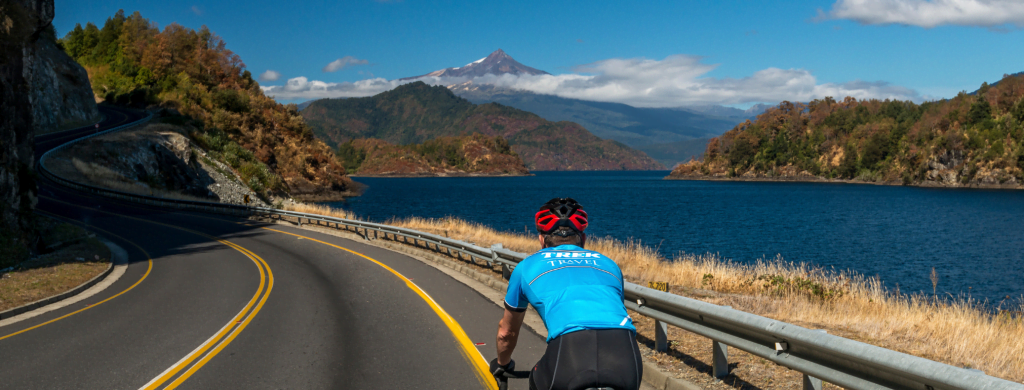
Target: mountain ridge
[(650, 130), (417, 112)]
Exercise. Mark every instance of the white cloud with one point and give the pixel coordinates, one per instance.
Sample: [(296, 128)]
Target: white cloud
[(675, 81), (270, 75), (303, 88), (197, 11), (342, 63), (931, 13)]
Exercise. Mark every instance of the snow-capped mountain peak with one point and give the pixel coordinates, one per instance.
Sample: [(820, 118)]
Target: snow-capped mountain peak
[(497, 63)]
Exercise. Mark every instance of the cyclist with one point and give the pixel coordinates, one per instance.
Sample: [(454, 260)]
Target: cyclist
[(578, 294)]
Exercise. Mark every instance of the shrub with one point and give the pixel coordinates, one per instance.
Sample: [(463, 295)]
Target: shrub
[(780, 285), (231, 100), (256, 185), (848, 166), (350, 156)]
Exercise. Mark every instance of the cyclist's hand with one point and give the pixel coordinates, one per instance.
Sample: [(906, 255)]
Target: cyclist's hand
[(499, 371)]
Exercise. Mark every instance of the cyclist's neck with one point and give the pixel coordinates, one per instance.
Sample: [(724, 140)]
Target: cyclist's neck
[(566, 247)]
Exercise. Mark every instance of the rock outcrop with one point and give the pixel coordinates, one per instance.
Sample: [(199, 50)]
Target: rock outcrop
[(21, 23), (61, 96), (158, 160)]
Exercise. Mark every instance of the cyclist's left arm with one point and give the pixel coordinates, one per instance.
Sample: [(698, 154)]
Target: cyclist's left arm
[(515, 310)]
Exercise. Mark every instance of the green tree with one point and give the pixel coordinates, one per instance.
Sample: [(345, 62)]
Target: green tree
[(875, 150), (350, 156), (74, 41), (848, 167), (980, 111), (1018, 112)]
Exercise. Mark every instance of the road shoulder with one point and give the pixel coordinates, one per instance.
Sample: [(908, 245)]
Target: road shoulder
[(117, 267)]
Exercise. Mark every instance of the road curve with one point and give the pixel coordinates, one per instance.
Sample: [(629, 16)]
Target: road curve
[(338, 314)]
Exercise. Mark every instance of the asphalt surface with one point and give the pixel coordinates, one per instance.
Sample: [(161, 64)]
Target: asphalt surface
[(216, 302)]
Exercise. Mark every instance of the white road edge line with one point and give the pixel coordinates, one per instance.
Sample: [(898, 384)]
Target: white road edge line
[(120, 259)]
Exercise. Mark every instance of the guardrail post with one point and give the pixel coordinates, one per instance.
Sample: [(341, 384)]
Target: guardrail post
[(494, 254), (810, 382), (660, 336), (506, 272), (720, 357)]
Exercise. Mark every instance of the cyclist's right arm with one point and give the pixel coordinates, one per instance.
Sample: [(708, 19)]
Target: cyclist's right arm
[(508, 334)]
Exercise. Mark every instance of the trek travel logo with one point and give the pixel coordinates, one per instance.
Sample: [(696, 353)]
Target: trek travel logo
[(588, 258)]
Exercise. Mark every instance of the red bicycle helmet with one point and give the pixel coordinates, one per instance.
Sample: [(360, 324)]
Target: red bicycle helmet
[(559, 212)]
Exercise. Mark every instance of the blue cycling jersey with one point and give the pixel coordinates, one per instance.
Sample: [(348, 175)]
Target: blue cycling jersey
[(572, 289)]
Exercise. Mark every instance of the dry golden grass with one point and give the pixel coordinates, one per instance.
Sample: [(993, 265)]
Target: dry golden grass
[(53, 273), (958, 331)]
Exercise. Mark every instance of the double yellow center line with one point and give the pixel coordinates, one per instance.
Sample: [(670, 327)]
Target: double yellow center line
[(219, 341), (212, 346), (215, 344)]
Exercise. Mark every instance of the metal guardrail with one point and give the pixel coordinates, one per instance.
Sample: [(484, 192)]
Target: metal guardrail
[(818, 355)]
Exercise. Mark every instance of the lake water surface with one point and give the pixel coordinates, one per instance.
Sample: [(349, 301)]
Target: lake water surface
[(973, 238)]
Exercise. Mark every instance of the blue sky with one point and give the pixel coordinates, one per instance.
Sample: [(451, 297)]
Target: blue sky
[(709, 52)]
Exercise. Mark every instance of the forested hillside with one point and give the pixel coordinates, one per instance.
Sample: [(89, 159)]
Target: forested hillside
[(132, 62), (416, 112), (969, 140), (470, 155)]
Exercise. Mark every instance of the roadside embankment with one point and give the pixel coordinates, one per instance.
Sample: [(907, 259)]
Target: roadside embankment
[(959, 331), (76, 257)]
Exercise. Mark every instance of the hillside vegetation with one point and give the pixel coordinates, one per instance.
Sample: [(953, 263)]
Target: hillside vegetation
[(969, 140), (416, 112), (471, 155), (132, 62)]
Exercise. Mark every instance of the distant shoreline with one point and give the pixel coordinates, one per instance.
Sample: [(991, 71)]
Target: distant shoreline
[(405, 175), (815, 179)]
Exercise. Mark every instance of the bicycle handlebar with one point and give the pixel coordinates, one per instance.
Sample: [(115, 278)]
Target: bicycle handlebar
[(503, 379)]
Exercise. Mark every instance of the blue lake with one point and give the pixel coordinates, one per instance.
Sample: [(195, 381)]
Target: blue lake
[(973, 238)]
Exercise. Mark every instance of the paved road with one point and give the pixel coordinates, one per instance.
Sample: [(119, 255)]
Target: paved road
[(112, 117), (210, 302)]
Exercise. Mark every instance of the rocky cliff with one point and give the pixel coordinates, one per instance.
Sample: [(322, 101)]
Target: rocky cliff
[(21, 23), (61, 94), (41, 90)]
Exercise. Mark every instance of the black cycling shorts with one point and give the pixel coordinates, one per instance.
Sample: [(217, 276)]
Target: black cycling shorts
[(589, 358)]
